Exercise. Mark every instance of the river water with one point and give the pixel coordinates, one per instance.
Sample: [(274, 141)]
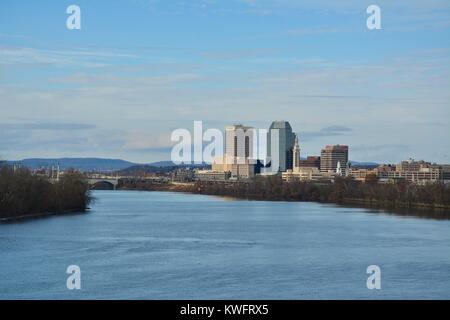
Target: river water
[(162, 245)]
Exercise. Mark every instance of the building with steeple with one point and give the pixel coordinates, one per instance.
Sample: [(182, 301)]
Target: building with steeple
[(296, 155)]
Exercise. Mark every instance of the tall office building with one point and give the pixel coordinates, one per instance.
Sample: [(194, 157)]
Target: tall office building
[(239, 158), (280, 145), (331, 156), (239, 143)]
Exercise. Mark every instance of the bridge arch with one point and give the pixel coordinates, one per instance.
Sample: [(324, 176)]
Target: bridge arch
[(102, 185)]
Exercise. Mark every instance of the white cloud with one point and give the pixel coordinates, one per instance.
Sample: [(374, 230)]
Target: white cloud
[(133, 113), (81, 58), (142, 140)]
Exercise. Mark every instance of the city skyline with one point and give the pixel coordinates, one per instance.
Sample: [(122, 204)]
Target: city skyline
[(225, 156), (241, 147), (135, 72)]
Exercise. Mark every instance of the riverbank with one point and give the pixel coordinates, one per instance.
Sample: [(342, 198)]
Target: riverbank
[(24, 195), (38, 216), (429, 200)]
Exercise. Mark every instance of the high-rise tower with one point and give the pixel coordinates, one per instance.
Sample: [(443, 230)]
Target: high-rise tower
[(331, 156), (280, 144), (239, 142)]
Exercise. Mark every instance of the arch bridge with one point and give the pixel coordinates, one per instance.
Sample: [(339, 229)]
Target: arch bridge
[(112, 181)]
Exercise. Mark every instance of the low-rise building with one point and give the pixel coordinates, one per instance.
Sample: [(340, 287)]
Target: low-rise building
[(411, 165), (445, 173), (183, 175), (210, 175), (311, 161), (361, 174), (306, 174), (423, 176), (243, 171), (419, 172), (240, 168)]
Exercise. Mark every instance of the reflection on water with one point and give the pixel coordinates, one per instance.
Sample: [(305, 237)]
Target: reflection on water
[(437, 214), (162, 245)]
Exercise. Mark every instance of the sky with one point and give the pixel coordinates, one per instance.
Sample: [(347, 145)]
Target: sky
[(139, 69)]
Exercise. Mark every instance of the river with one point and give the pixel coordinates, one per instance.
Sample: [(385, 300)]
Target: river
[(163, 245)]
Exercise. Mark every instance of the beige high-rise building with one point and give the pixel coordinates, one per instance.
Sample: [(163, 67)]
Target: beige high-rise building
[(239, 142), (238, 158)]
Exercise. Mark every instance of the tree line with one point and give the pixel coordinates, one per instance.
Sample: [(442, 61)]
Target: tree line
[(401, 194), (23, 193)]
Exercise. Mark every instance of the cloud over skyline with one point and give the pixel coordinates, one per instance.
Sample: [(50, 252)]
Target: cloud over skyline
[(117, 87)]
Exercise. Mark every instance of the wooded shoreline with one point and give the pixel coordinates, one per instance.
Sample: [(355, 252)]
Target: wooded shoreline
[(431, 200), (24, 195)]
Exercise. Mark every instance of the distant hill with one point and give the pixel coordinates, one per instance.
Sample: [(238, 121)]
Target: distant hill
[(171, 164), (141, 169), (82, 164), (162, 164), (97, 164), (102, 164)]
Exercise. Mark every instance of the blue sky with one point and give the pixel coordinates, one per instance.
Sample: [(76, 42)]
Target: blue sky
[(139, 69)]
